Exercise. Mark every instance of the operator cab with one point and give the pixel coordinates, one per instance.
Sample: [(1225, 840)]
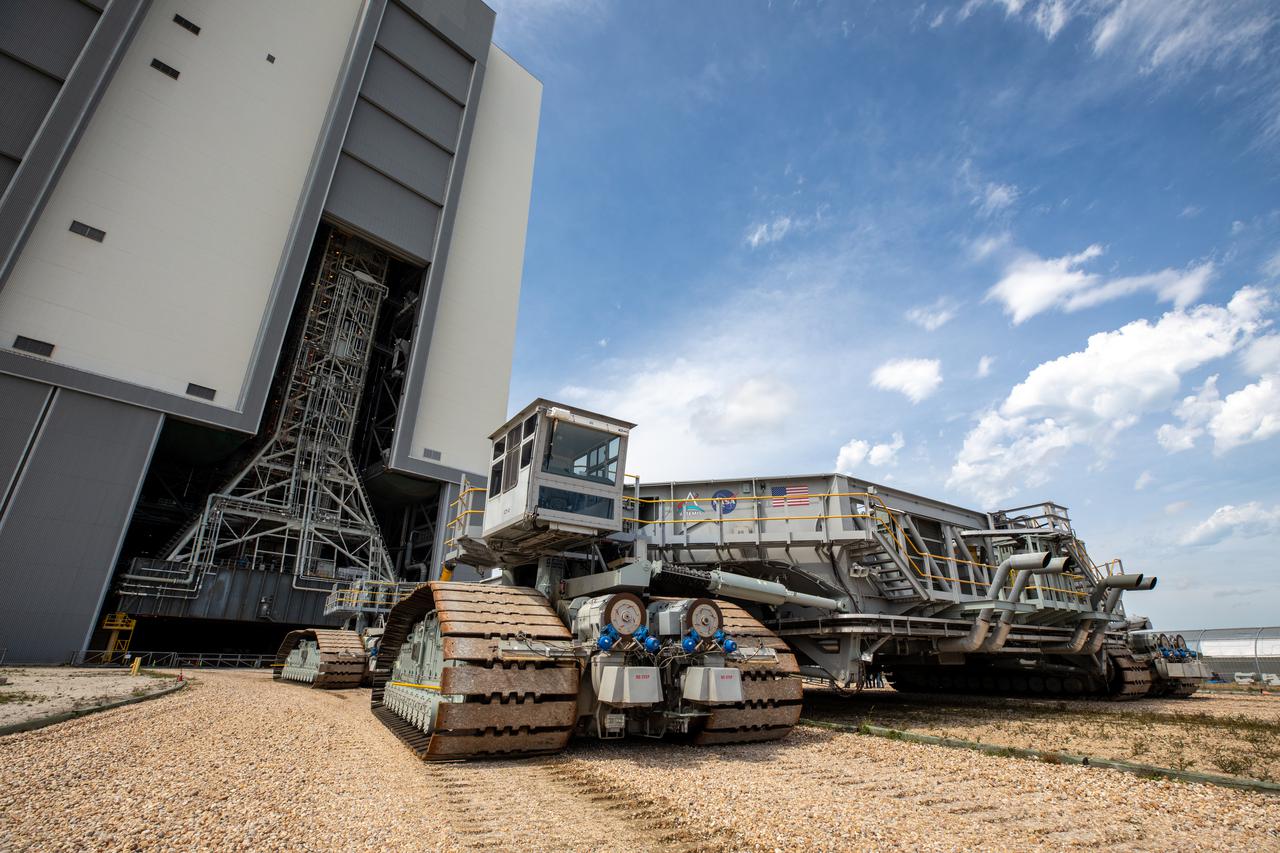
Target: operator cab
[(556, 477)]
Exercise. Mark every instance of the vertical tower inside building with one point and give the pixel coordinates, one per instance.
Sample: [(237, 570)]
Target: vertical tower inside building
[(245, 246)]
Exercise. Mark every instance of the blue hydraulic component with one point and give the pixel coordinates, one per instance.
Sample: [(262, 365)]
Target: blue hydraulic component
[(730, 645), (719, 636), (605, 642), (690, 642), (652, 645), (640, 633)]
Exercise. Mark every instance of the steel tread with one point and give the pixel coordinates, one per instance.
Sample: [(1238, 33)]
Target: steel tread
[(771, 700), (540, 723)]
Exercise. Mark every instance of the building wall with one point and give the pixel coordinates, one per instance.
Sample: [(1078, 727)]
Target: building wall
[(195, 182), (73, 464), (39, 43), (468, 373)]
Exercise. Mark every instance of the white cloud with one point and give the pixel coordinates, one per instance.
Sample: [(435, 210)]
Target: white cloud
[(764, 233), (935, 315), (1237, 226), (602, 343), (1242, 417), (1146, 478), (1050, 16), (1263, 355), (984, 366), (1189, 212), (1194, 411), (938, 20), (1176, 507), (1032, 285), (996, 197), (1172, 40), (1271, 268), (1246, 521), (1087, 397), (1183, 35), (990, 197), (856, 451), (917, 378), (1248, 415)]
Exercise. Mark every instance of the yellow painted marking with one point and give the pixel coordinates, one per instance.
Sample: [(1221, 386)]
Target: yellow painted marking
[(410, 684)]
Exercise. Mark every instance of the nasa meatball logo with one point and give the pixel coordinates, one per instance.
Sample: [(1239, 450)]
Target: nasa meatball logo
[(726, 500)]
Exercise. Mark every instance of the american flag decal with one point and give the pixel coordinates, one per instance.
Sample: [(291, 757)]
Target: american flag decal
[(790, 495)]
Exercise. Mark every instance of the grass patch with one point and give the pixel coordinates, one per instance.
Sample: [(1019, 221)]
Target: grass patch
[(17, 697)]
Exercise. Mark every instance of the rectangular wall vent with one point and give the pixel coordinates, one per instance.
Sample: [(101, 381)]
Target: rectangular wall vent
[(200, 391), (164, 69), (31, 345), (185, 24), (433, 455), (78, 227)]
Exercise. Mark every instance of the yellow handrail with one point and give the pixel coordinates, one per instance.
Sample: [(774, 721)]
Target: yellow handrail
[(895, 531)]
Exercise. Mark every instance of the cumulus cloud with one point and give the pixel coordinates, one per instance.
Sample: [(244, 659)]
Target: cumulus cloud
[(764, 233), (935, 315), (1245, 416), (857, 451), (1087, 397), (984, 366), (1032, 285), (917, 378), (1246, 521)]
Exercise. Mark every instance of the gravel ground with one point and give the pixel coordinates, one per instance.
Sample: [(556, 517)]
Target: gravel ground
[(239, 762), (42, 691), (1238, 736)]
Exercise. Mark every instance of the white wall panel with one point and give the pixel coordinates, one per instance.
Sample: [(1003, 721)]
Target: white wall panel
[(195, 181), (468, 373)]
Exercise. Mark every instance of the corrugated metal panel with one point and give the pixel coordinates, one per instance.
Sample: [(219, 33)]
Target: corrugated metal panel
[(25, 98), (23, 405), (236, 594), (405, 38), (60, 535), (392, 148), (411, 99), (8, 165), (48, 34), (374, 203)]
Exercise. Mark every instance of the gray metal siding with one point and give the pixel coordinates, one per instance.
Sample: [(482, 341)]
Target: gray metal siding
[(395, 150), (61, 533), (24, 404), (413, 100), (373, 203), (403, 36), (235, 594), (48, 34), (25, 98)]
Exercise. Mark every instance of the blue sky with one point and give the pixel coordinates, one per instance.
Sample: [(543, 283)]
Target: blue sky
[(993, 252)]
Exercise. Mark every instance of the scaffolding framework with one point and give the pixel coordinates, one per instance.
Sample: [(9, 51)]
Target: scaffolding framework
[(298, 505)]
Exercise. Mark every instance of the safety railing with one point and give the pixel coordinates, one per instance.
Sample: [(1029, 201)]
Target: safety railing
[(171, 660), (886, 523), (367, 596)]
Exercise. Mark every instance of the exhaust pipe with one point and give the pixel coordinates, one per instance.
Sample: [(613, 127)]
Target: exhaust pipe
[(995, 641), (1023, 563), (1116, 582), (1112, 586)]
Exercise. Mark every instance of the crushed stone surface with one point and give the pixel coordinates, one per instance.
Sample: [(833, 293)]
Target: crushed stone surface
[(240, 762)]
